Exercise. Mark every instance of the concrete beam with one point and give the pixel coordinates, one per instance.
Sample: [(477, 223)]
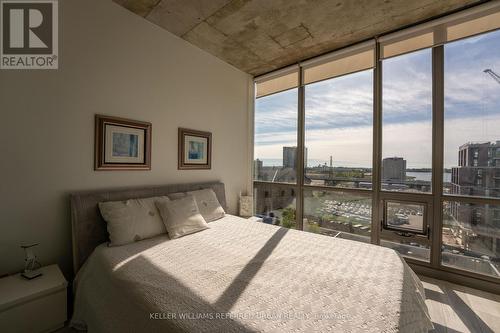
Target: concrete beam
[(258, 36)]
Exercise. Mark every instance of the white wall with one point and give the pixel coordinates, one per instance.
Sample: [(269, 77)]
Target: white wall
[(115, 63)]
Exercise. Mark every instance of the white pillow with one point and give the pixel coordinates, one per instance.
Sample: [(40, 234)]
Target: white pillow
[(181, 216), (208, 204), (132, 220)]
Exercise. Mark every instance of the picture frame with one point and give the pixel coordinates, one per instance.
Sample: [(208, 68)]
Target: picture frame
[(121, 144), (195, 149)]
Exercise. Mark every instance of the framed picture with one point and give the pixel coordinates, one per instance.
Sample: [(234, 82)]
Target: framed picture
[(195, 149), (122, 144)]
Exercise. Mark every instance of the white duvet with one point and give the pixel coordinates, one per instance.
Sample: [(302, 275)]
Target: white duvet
[(244, 276)]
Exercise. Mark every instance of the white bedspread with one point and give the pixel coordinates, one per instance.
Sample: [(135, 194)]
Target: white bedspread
[(248, 276)]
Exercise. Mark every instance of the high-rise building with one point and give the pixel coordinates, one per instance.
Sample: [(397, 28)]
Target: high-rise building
[(290, 157), (477, 174), (478, 171), (393, 169), (257, 167)]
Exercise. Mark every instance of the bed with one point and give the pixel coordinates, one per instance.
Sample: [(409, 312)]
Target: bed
[(237, 276)]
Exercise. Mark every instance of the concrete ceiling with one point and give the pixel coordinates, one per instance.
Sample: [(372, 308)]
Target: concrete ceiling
[(258, 36)]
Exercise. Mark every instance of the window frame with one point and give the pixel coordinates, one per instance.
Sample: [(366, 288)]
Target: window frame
[(298, 164), (338, 188), (434, 201), (424, 231), (380, 125)]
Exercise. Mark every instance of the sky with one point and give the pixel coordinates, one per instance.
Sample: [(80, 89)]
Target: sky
[(339, 111)]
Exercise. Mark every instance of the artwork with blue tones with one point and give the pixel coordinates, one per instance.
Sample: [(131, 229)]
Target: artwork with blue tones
[(196, 150), (122, 144), (125, 145)]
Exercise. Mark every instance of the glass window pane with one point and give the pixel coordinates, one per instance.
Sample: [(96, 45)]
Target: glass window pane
[(338, 131), (275, 144), (405, 217), (407, 122), (472, 116), (275, 204), (411, 248), (471, 237), (338, 214)]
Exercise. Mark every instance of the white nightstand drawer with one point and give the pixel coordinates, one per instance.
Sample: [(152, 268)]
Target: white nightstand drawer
[(33, 306), (43, 314)]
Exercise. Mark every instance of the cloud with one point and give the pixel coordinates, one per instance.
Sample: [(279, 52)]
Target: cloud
[(407, 88), (339, 112), (413, 141), (276, 113), (347, 146), (460, 131), (274, 138), (344, 102)]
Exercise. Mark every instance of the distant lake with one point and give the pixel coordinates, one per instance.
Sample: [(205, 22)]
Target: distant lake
[(425, 176), (277, 162)]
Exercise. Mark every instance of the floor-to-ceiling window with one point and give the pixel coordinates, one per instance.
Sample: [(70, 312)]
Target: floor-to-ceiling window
[(400, 144), (275, 141), (338, 142), (338, 131), (407, 122), (471, 229), (406, 163), (275, 152)]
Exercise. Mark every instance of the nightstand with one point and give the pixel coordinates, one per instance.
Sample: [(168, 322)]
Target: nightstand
[(37, 305)]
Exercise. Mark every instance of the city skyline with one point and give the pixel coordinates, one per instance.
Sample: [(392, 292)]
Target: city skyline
[(339, 111)]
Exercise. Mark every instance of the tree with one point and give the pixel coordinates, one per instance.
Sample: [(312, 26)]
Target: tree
[(288, 218), (313, 227)]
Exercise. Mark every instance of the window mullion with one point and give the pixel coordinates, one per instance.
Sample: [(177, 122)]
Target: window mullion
[(299, 213), (377, 146), (437, 151)]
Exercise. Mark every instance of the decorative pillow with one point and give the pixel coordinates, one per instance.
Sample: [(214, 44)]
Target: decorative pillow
[(208, 204), (181, 216), (132, 220)]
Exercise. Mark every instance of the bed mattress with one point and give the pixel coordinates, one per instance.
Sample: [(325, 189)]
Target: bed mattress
[(246, 276)]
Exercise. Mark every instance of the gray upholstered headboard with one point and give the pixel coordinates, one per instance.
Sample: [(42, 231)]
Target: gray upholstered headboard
[(88, 227)]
